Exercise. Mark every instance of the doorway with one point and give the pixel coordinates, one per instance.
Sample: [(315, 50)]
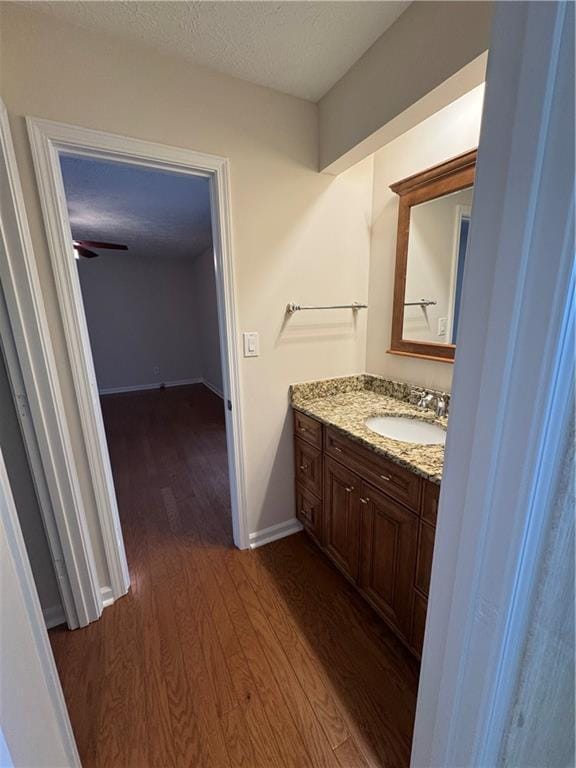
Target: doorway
[(143, 247), (57, 150)]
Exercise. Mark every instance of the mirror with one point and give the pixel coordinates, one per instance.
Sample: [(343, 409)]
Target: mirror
[(433, 225)]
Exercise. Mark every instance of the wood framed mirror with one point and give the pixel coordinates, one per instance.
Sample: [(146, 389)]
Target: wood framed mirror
[(433, 224)]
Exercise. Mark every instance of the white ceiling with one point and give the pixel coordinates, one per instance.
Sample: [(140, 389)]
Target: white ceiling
[(301, 48), (157, 214)]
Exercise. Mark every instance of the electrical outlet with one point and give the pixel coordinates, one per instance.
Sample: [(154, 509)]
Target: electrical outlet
[(442, 325), (156, 370)]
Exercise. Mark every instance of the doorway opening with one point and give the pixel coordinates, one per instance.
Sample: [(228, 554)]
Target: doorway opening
[(139, 237), (143, 247)]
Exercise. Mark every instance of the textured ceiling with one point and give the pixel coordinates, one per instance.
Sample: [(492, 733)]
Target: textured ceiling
[(301, 48), (155, 213)]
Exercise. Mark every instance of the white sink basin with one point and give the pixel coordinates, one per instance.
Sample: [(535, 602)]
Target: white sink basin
[(407, 430)]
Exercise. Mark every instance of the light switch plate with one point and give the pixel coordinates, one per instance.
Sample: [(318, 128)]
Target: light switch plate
[(442, 323), (251, 344)]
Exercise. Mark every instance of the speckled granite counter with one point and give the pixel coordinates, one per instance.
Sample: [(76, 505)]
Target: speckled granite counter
[(345, 404)]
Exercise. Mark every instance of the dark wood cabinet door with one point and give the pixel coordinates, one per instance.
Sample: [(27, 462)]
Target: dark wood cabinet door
[(419, 622), (342, 516), (425, 553), (430, 497), (389, 546)]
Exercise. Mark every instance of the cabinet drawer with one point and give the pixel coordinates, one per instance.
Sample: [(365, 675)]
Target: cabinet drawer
[(425, 552), (397, 482), (309, 512), (430, 496), (308, 465), (308, 429)]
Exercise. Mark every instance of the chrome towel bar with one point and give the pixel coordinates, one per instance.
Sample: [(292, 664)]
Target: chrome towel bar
[(421, 303), (297, 307)]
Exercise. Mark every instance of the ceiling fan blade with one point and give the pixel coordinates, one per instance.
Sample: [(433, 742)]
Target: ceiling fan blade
[(84, 252), (99, 244)]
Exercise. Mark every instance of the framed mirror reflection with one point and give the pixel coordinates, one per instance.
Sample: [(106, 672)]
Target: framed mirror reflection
[(433, 227)]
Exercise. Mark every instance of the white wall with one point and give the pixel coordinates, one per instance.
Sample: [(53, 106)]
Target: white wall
[(424, 61), (453, 130), (145, 312), (12, 446), (297, 235), (141, 315)]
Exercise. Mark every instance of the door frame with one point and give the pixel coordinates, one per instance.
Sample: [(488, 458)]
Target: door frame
[(32, 365), (48, 139), (29, 678), (462, 211), (513, 387)]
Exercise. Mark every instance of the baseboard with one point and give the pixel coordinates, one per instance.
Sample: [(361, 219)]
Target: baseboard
[(274, 532), (212, 388), (145, 387), (53, 616), (107, 596), (159, 385)]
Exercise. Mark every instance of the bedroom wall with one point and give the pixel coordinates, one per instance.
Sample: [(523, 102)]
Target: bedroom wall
[(151, 321), (141, 320)]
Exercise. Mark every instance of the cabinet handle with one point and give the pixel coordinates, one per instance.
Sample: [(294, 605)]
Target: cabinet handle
[(386, 477), (303, 514), (304, 467), (302, 429), (364, 501), (335, 448), (349, 488)]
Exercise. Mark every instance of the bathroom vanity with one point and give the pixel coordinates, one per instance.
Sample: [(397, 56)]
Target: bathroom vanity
[(369, 501)]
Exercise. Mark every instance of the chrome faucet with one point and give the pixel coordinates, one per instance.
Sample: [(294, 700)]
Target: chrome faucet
[(429, 400), (441, 405), (425, 399)]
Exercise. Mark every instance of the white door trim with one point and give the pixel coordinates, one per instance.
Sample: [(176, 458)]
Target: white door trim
[(460, 212), (59, 612), (68, 536), (513, 381), (54, 737), (49, 139)]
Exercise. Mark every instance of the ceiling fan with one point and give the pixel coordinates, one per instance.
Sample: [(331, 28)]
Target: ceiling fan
[(82, 248)]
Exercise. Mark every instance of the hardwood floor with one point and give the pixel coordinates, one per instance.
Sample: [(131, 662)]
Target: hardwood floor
[(216, 657)]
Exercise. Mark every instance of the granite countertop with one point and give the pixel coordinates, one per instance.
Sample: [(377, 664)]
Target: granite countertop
[(347, 402)]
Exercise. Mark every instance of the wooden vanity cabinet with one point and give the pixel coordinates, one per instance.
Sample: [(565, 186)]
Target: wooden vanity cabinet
[(389, 548), (341, 508), (373, 518)]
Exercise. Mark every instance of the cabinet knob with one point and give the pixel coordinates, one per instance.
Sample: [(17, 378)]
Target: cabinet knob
[(303, 467), (302, 429), (364, 501), (386, 477), (303, 514), (335, 448), (349, 488)]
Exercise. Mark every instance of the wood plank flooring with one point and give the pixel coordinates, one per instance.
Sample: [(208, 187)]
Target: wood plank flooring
[(216, 657)]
